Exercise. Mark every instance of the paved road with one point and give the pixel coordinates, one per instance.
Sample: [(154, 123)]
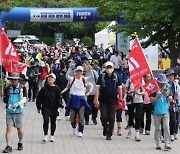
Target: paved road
[(92, 143)]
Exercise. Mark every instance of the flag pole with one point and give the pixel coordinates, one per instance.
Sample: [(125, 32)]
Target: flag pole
[(1, 62), (11, 65)]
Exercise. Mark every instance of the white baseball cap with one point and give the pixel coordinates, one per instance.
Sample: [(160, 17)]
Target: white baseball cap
[(108, 64), (79, 68), (53, 75)]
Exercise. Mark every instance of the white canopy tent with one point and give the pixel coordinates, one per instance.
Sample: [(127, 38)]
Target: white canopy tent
[(105, 37), (18, 40)]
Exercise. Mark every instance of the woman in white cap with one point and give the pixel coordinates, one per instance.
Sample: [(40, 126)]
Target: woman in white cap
[(49, 103), (77, 103)]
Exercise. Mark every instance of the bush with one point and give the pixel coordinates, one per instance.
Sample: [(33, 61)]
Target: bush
[(87, 41), (2, 86), (48, 40), (71, 42)]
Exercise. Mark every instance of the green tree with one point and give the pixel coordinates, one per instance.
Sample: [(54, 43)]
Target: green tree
[(5, 5), (158, 20)]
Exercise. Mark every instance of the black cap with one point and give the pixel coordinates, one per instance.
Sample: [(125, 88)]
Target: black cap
[(169, 71)]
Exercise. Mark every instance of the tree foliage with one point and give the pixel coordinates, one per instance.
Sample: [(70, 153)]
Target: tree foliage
[(157, 20), (5, 4)]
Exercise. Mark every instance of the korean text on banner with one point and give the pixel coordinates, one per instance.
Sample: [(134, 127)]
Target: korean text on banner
[(138, 66)]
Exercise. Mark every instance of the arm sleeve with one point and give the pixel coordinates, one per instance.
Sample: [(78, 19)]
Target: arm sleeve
[(59, 98), (119, 83), (91, 87), (23, 100), (68, 77), (178, 95), (5, 98), (39, 99), (99, 81), (96, 75), (24, 91)]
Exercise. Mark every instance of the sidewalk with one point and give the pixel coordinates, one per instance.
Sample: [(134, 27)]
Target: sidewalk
[(92, 143)]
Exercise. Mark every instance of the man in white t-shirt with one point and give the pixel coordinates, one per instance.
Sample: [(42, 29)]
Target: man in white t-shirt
[(116, 60)]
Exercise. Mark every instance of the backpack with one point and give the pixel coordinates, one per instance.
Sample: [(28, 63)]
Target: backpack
[(83, 80), (8, 92), (95, 78), (103, 80)]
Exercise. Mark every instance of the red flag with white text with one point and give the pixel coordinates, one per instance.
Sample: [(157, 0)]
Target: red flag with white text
[(151, 87), (138, 66), (137, 83), (9, 55)]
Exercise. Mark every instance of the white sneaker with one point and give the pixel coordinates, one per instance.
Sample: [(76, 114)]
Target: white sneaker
[(137, 138), (129, 134), (80, 134), (45, 139), (58, 118), (74, 131), (67, 118), (175, 136), (52, 139), (172, 137)]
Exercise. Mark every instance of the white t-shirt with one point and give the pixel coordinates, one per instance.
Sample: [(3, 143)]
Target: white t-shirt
[(116, 60), (136, 98), (77, 87)]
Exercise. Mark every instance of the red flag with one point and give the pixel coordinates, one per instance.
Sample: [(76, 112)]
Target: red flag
[(137, 83), (9, 55), (138, 66), (151, 87), (14, 66)]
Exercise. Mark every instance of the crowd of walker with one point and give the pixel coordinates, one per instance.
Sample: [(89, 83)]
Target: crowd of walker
[(87, 85)]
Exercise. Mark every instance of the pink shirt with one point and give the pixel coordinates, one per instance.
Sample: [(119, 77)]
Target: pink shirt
[(146, 98)]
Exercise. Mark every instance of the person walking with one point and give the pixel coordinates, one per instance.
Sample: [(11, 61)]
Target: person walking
[(106, 97), (90, 99), (15, 97), (32, 74), (116, 60), (135, 108), (77, 104), (161, 112), (49, 104), (147, 109), (62, 83), (174, 94), (43, 73)]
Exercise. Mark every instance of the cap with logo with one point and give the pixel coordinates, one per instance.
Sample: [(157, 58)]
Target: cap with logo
[(162, 78)]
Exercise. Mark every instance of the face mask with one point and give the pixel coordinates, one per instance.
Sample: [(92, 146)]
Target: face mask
[(109, 70), (63, 72)]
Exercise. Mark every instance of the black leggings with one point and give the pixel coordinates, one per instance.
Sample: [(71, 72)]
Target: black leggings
[(119, 115), (46, 124), (135, 111)]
